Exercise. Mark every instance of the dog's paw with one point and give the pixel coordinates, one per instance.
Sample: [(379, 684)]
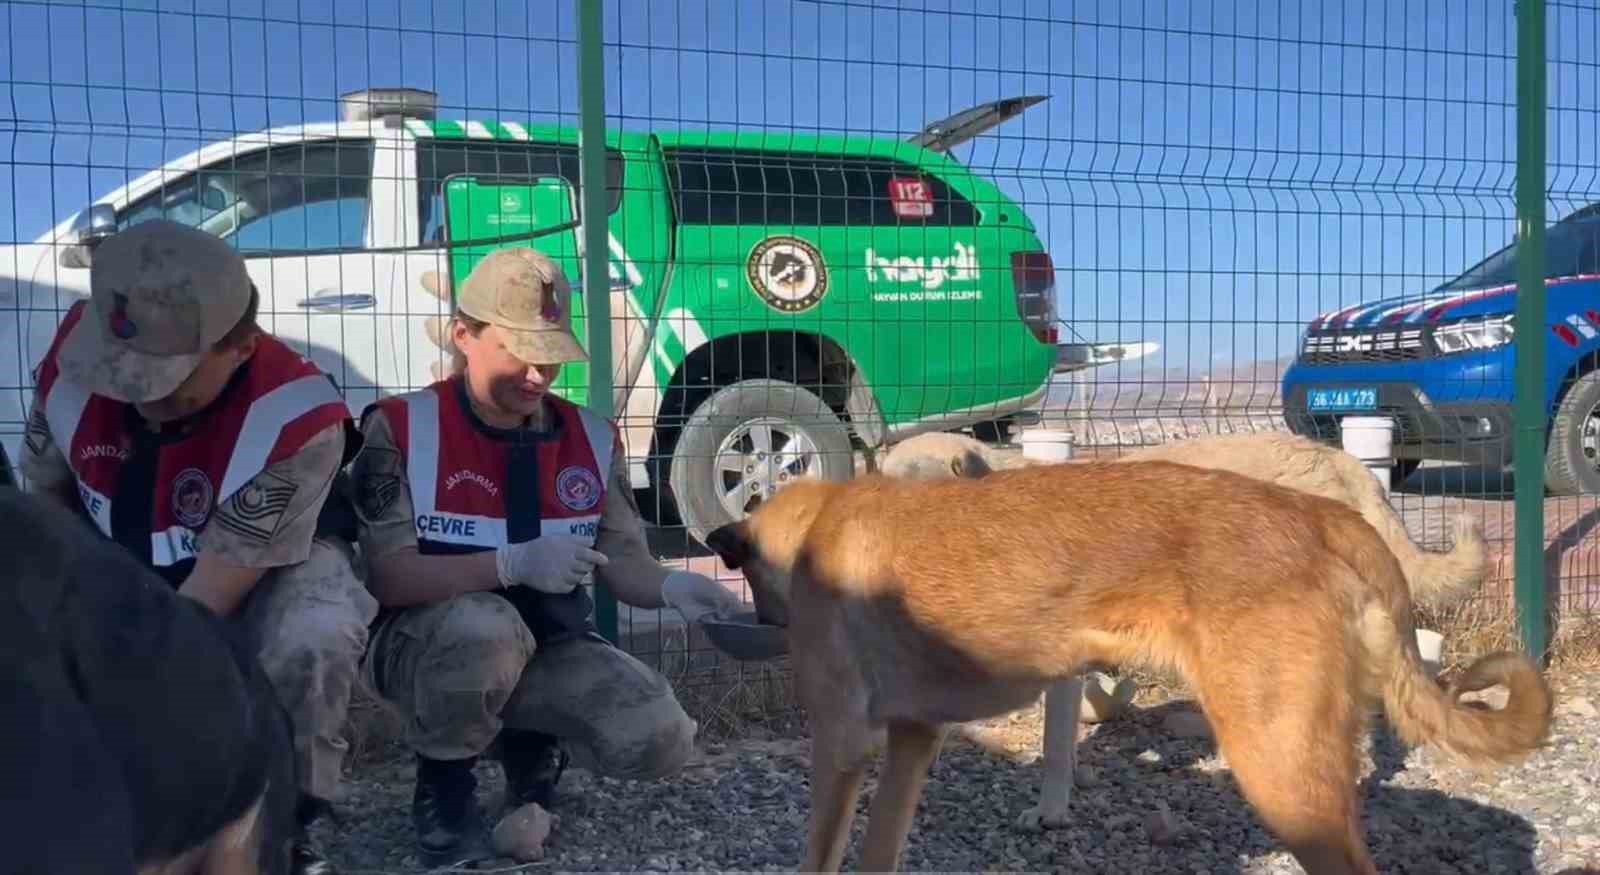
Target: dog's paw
[(1041, 817)]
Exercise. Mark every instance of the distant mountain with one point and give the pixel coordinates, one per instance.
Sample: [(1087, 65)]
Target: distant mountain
[(1235, 385), (1126, 406)]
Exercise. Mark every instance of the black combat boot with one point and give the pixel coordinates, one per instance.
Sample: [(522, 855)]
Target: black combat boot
[(533, 762), (307, 856), (444, 809)]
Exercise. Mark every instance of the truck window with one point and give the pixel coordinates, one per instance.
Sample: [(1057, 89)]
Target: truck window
[(743, 187), (296, 199), (438, 160), (1572, 248)]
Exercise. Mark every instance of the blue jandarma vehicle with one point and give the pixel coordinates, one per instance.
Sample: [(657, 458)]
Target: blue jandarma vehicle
[(1443, 366)]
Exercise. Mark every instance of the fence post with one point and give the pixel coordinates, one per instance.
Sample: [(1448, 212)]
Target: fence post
[(1529, 416), (596, 242)]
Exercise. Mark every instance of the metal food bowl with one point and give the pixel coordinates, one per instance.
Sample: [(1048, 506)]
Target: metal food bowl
[(746, 638)]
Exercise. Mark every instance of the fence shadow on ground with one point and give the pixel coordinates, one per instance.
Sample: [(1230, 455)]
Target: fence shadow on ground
[(966, 819), (1138, 765)]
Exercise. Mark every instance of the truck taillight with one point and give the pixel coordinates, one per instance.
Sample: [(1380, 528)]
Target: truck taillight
[(1033, 276)]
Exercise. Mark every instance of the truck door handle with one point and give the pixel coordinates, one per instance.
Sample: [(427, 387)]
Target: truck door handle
[(348, 301)]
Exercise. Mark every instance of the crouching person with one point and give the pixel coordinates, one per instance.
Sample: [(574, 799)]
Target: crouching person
[(209, 450), (485, 501)]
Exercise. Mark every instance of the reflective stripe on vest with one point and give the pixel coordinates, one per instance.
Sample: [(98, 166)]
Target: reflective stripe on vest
[(63, 410), (263, 425), (266, 420), (472, 530)]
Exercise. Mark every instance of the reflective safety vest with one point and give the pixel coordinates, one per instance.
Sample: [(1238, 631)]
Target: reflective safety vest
[(154, 492), (475, 487)]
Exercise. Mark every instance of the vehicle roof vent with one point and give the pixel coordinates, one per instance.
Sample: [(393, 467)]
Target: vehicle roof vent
[(371, 103)]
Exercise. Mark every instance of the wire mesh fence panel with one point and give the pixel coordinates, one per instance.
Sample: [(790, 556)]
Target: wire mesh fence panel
[(1572, 269), (836, 224), (1291, 204)]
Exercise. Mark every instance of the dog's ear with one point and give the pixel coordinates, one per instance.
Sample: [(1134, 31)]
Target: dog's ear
[(731, 543)]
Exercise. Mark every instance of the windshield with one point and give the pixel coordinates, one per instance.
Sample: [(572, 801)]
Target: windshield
[(1572, 248)]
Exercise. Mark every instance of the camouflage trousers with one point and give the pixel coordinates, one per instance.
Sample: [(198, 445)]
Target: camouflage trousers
[(462, 669), (309, 623)]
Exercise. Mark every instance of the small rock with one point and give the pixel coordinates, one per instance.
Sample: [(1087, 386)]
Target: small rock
[(1582, 707), (1085, 776), (1117, 822), (1187, 724), (1149, 756), (521, 834), (1162, 825)]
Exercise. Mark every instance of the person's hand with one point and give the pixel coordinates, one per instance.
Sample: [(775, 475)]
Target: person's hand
[(696, 596), (554, 564)]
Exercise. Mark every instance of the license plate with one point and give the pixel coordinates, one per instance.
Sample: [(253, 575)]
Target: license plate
[(1333, 400)]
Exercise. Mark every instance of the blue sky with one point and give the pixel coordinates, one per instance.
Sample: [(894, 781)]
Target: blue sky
[(1207, 175)]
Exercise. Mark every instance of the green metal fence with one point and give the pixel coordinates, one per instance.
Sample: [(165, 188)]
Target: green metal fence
[(1528, 460), (1159, 221)]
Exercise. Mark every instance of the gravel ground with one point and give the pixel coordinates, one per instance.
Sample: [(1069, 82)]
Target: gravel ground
[(743, 806)]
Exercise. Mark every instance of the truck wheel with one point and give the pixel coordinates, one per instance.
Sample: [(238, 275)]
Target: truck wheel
[(747, 441), (1572, 452)]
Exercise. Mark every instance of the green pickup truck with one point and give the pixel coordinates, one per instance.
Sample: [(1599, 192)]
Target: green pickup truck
[(778, 300)]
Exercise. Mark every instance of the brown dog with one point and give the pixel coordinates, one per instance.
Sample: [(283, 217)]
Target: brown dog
[(1284, 610), (1437, 579)]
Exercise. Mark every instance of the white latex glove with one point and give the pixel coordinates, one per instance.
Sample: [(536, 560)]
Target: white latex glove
[(552, 563), (696, 596)]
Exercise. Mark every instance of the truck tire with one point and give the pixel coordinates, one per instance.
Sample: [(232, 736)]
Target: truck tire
[(723, 462), (1572, 451)]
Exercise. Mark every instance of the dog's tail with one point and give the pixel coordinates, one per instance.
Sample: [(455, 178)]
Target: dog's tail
[(1437, 579), (1422, 711)]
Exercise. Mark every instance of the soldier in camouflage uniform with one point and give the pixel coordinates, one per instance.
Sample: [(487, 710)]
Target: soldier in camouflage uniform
[(209, 450), (485, 500)]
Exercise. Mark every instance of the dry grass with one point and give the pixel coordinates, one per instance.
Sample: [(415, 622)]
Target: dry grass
[(1483, 625), (730, 700)]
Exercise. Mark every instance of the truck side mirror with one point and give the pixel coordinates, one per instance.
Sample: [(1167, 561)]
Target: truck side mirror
[(91, 226)]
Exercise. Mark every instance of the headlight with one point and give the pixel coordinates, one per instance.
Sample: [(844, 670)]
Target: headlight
[(1472, 334)]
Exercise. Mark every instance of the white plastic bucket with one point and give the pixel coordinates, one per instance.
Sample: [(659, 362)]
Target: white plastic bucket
[(1431, 646), (1047, 444), (1370, 439)]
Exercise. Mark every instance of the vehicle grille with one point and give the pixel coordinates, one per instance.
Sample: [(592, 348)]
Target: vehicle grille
[(1345, 347)]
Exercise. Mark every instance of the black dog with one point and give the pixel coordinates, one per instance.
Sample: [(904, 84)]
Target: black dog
[(137, 730)]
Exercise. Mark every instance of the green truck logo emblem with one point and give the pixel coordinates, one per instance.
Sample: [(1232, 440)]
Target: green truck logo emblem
[(788, 273)]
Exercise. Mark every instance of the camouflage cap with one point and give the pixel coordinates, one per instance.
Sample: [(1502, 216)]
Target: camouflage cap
[(526, 295), (161, 295)]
